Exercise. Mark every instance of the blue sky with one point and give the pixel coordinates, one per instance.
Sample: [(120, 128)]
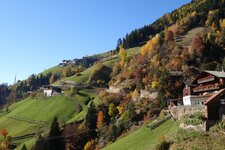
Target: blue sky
[(38, 34)]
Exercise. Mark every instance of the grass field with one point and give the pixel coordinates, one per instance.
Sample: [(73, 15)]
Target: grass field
[(35, 110), (54, 70), (143, 138)]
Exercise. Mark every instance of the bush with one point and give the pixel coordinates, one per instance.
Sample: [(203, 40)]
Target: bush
[(221, 125), (218, 127), (163, 145), (195, 119), (88, 99), (182, 135), (74, 91)]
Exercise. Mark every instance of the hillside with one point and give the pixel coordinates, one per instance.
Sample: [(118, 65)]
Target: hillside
[(33, 115), (109, 62), (144, 138), (186, 40), (36, 114), (154, 60)]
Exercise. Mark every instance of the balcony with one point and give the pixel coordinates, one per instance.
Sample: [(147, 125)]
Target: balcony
[(206, 79), (209, 87)]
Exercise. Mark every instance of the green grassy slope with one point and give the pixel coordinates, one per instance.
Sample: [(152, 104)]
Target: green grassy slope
[(45, 109), (83, 78), (24, 116), (143, 138), (54, 70), (38, 110), (83, 113)]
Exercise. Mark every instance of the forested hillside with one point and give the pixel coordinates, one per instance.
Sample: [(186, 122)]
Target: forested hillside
[(109, 90)]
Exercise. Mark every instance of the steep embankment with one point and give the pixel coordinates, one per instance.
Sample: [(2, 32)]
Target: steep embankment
[(144, 138)]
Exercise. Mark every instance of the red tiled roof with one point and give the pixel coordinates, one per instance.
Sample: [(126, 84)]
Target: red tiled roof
[(211, 98)]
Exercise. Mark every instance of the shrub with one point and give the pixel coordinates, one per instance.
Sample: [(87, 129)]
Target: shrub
[(182, 135), (163, 145), (195, 119), (74, 91), (219, 126)]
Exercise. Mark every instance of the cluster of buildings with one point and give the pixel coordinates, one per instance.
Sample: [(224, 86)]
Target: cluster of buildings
[(85, 61)]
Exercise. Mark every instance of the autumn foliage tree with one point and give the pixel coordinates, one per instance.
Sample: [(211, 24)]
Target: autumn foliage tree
[(123, 56), (198, 45), (120, 109), (151, 45), (135, 95), (100, 120), (52, 79), (4, 133), (4, 143), (169, 36), (68, 71), (90, 145), (112, 110)]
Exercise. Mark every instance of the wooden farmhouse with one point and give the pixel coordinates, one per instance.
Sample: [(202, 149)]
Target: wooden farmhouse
[(204, 86), (207, 89)]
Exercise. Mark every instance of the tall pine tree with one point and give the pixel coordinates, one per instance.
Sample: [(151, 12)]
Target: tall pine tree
[(55, 139), (41, 144), (91, 117), (24, 147)]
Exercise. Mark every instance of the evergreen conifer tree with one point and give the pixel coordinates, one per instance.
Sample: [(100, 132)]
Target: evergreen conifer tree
[(24, 147), (41, 144), (91, 117), (55, 139)]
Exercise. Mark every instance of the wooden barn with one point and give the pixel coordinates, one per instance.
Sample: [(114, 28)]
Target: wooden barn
[(216, 106)]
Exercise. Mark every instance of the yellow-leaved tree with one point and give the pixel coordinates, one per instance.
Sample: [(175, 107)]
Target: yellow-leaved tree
[(123, 56), (222, 23), (90, 145), (150, 45)]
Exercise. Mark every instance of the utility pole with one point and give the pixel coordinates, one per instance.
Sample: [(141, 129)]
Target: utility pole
[(15, 79)]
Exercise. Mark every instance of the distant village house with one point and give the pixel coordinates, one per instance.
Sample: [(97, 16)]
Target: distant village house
[(51, 91)]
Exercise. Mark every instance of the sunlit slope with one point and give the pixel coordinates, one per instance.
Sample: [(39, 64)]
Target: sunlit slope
[(109, 61), (144, 138), (30, 115)]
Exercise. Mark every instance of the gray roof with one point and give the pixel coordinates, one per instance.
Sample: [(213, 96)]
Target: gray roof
[(220, 74)]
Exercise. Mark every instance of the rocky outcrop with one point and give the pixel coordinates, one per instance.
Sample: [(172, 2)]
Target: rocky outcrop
[(148, 94)]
